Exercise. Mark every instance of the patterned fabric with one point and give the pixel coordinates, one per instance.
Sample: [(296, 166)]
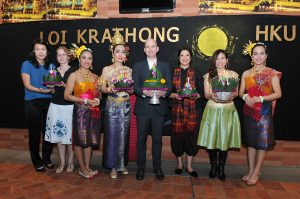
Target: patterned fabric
[(116, 133), (117, 124), (260, 85), (220, 126), (86, 119), (184, 118), (59, 124), (258, 131), (259, 134)]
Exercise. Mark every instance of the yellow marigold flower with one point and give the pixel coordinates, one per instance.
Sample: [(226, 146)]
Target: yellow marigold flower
[(163, 81), (150, 81)]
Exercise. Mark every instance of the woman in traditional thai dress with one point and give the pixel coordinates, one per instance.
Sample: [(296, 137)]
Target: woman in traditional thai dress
[(262, 89), (117, 110), (37, 100), (220, 126), (186, 112), (86, 113), (59, 118)]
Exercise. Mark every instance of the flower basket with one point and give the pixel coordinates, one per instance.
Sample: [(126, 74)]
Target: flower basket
[(123, 84), (224, 87)]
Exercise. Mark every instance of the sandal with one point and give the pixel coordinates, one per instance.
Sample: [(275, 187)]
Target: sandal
[(70, 167), (251, 182), (245, 178), (60, 168)]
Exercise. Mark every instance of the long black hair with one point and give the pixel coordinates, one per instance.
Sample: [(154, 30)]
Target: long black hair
[(32, 57), (212, 70)]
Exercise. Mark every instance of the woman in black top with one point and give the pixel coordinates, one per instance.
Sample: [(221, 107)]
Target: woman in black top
[(186, 112), (59, 117)]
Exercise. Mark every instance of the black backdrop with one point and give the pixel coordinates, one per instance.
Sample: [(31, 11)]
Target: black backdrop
[(15, 42)]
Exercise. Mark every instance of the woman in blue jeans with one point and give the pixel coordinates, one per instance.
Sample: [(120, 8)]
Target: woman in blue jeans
[(37, 100)]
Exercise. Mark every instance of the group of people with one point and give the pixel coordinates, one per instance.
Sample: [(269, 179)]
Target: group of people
[(68, 113)]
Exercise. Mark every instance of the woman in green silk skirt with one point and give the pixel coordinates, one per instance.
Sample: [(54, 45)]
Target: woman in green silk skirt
[(220, 125)]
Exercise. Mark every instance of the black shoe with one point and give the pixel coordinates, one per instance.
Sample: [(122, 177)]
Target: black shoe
[(140, 174), (193, 173), (213, 157), (49, 166), (222, 161), (179, 171), (159, 174), (40, 169)]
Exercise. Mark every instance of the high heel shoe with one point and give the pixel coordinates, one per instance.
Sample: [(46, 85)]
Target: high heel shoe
[(70, 167), (89, 176), (251, 182), (60, 169), (245, 179)]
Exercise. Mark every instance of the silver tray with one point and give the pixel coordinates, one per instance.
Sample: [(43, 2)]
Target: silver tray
[(224, 96)]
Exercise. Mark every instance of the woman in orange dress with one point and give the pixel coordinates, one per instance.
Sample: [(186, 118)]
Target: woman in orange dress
[(262, 89), (86, 113)]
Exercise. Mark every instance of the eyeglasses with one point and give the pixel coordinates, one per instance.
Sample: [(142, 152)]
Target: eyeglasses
[(62, 55)]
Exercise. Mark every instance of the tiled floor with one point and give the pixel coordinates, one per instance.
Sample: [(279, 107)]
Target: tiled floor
[(22, 181)]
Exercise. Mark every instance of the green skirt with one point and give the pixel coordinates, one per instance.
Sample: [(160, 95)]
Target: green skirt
[(220, 128)]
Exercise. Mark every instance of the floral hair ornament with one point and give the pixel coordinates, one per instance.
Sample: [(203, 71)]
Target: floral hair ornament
[(118, 39), (76, 51), (248, 47)]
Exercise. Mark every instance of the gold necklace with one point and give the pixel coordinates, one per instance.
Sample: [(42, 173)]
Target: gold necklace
[(222, 73), (87, 76), (259, 71)]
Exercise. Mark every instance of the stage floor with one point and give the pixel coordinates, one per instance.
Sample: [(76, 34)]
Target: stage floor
[(18, 179)]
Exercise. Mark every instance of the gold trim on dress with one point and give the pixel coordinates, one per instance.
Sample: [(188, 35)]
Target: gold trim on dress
[(213, 104), (118, 100)]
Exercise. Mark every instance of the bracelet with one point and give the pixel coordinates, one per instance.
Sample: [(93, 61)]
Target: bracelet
[(261, 99), (109, 90), (244, 96), (97, 100), (85, 101)]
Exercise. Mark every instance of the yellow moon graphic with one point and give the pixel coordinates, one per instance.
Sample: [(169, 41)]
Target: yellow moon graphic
[(212, 39)]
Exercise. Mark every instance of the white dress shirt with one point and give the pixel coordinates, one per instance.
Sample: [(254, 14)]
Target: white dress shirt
[(150, 63)]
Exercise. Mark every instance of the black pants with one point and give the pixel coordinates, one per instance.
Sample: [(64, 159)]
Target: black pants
[(143, 124), (36, 113)]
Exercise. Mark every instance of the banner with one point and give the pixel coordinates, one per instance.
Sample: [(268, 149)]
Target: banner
[(204, 34), (40, 10), (249, 7)]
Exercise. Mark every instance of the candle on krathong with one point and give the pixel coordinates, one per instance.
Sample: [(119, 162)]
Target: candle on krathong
[(223, 78)]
